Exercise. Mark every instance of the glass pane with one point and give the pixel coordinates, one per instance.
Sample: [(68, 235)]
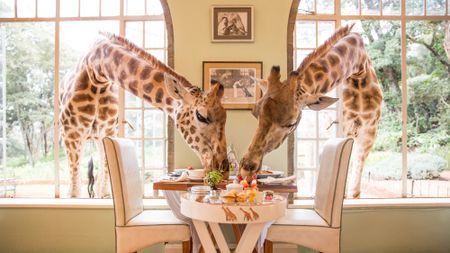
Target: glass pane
[(391, 7), (370, 7), (154, 123), (326, 127), (428, 113), (301, 55), (154, 154), (134, 7), (306, 7), (26, 8), (307, 126), (154, 7), (435, 7), (349, 7), (159, 54), (306, 34), (29, 103), (7, 9), (325, 29), (77, 37), (306, 154), (134, 126), (110, 7), (383, 44), (138, 146), (414, 7), (154, 34), (131, 100), (89, 8), (325, 6), (69, 8), (46, 8), (134, 32)]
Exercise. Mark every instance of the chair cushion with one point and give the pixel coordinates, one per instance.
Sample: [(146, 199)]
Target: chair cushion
[(154, 217), (302, 217)]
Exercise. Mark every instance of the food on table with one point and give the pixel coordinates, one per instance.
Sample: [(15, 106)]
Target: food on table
[(234, 186), (244, 183), (251, 195), (241, 197), (268, 195), (229, 197)]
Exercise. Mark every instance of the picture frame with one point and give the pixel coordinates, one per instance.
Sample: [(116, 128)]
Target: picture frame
[(232, 23), (241, 90)]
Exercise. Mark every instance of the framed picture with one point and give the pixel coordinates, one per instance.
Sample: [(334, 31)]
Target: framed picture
[(241, 90), (232, 23)]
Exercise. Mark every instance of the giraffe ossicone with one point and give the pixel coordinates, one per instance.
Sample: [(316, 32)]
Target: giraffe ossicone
[(89, 105), (341, 61)]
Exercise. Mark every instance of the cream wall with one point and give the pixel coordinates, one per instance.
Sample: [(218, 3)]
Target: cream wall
[(192, 40)]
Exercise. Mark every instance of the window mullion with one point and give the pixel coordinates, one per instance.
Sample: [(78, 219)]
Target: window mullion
[(404, 77), (56, 130)]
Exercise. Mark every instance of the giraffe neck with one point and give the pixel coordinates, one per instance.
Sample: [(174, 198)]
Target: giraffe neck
[(108, 62)]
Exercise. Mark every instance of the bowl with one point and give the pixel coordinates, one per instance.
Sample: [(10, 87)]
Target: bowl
[(234, 186), (198, 173)]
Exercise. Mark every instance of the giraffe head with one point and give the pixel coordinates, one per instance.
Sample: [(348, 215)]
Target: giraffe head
[(200, 118), (278, 111)]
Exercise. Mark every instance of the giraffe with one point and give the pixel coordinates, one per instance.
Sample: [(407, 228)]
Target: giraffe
[(341, 60), (89, 105)]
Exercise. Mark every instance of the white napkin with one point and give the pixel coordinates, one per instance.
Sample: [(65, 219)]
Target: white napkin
[(183, 177), (280, 180)]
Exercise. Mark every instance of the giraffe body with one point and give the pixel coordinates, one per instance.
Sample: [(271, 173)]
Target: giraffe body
[(341, 60), (90, 105)]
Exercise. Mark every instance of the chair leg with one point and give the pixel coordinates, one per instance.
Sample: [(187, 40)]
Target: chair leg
[(187, 246), (268, 246)]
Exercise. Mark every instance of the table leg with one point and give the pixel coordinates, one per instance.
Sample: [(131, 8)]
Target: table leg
[(249, 237), (220, 239), (204, 236)]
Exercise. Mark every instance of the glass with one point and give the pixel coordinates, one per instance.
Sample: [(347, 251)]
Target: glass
[(391, 7), (415, 7), (134, 118), (325, 29), (134, 7), (428, 121), (306, 7), (132, 101), (349, 7), (154, 122), (154, 34), (26, 8), (306, 34), (69, 8), (370, 7), (325, 6), (154, 154), (89, 8), (307, 125), (300, 56), (307, 180), (326, 127), (306, 154), (435, 7), (29, 104), (154, 7), (46, 8), (134, 32), (7, 8), (110, 7), (160, 54)]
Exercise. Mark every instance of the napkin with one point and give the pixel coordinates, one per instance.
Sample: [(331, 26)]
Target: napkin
[(279, 180), (183, 177)]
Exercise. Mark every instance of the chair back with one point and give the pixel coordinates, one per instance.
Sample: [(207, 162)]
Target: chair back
[(331, 180), (125, 179)]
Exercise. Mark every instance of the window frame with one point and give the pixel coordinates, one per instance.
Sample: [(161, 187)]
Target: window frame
[(122, 18)]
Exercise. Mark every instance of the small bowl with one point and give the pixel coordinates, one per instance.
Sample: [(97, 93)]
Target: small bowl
[(198, 173), (236, 187)]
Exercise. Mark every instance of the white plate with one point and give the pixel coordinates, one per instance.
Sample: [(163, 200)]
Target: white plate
[(195, 178), (275, 173)]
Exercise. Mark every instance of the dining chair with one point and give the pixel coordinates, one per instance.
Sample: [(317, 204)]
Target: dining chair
[(136, 228), (319, 228)]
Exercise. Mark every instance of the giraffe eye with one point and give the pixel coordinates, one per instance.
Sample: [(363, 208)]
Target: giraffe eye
[(290, 125), (201, 118)]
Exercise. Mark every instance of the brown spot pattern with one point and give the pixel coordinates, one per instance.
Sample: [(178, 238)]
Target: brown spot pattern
[(159, 95)]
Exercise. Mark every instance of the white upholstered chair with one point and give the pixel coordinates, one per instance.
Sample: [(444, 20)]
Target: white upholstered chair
[(136, 228), (319, 228)]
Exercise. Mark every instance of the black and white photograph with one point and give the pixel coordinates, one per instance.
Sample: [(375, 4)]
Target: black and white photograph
[(232, 23), (238, 79)]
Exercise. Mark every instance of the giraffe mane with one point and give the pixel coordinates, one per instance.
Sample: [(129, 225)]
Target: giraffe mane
[(146, 56), (324, 48)]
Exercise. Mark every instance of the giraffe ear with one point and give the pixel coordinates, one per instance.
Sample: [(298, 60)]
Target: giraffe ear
[(175, 90), (319, 102), (217, 89)]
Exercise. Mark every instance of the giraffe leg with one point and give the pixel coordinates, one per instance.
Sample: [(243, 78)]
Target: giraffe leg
[(74, 148), (102, 185)]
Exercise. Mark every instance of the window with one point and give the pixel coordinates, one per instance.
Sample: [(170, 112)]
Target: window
[(404, 39), (41, 40)]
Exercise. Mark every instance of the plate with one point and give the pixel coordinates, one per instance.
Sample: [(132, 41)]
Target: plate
[(273, 173), (195, 178)]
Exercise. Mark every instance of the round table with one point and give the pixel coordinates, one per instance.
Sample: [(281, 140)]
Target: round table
[(254, 215)]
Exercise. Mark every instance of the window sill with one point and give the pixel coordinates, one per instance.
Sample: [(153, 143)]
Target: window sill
[(73, 203), (162, 204), (382, 203)]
